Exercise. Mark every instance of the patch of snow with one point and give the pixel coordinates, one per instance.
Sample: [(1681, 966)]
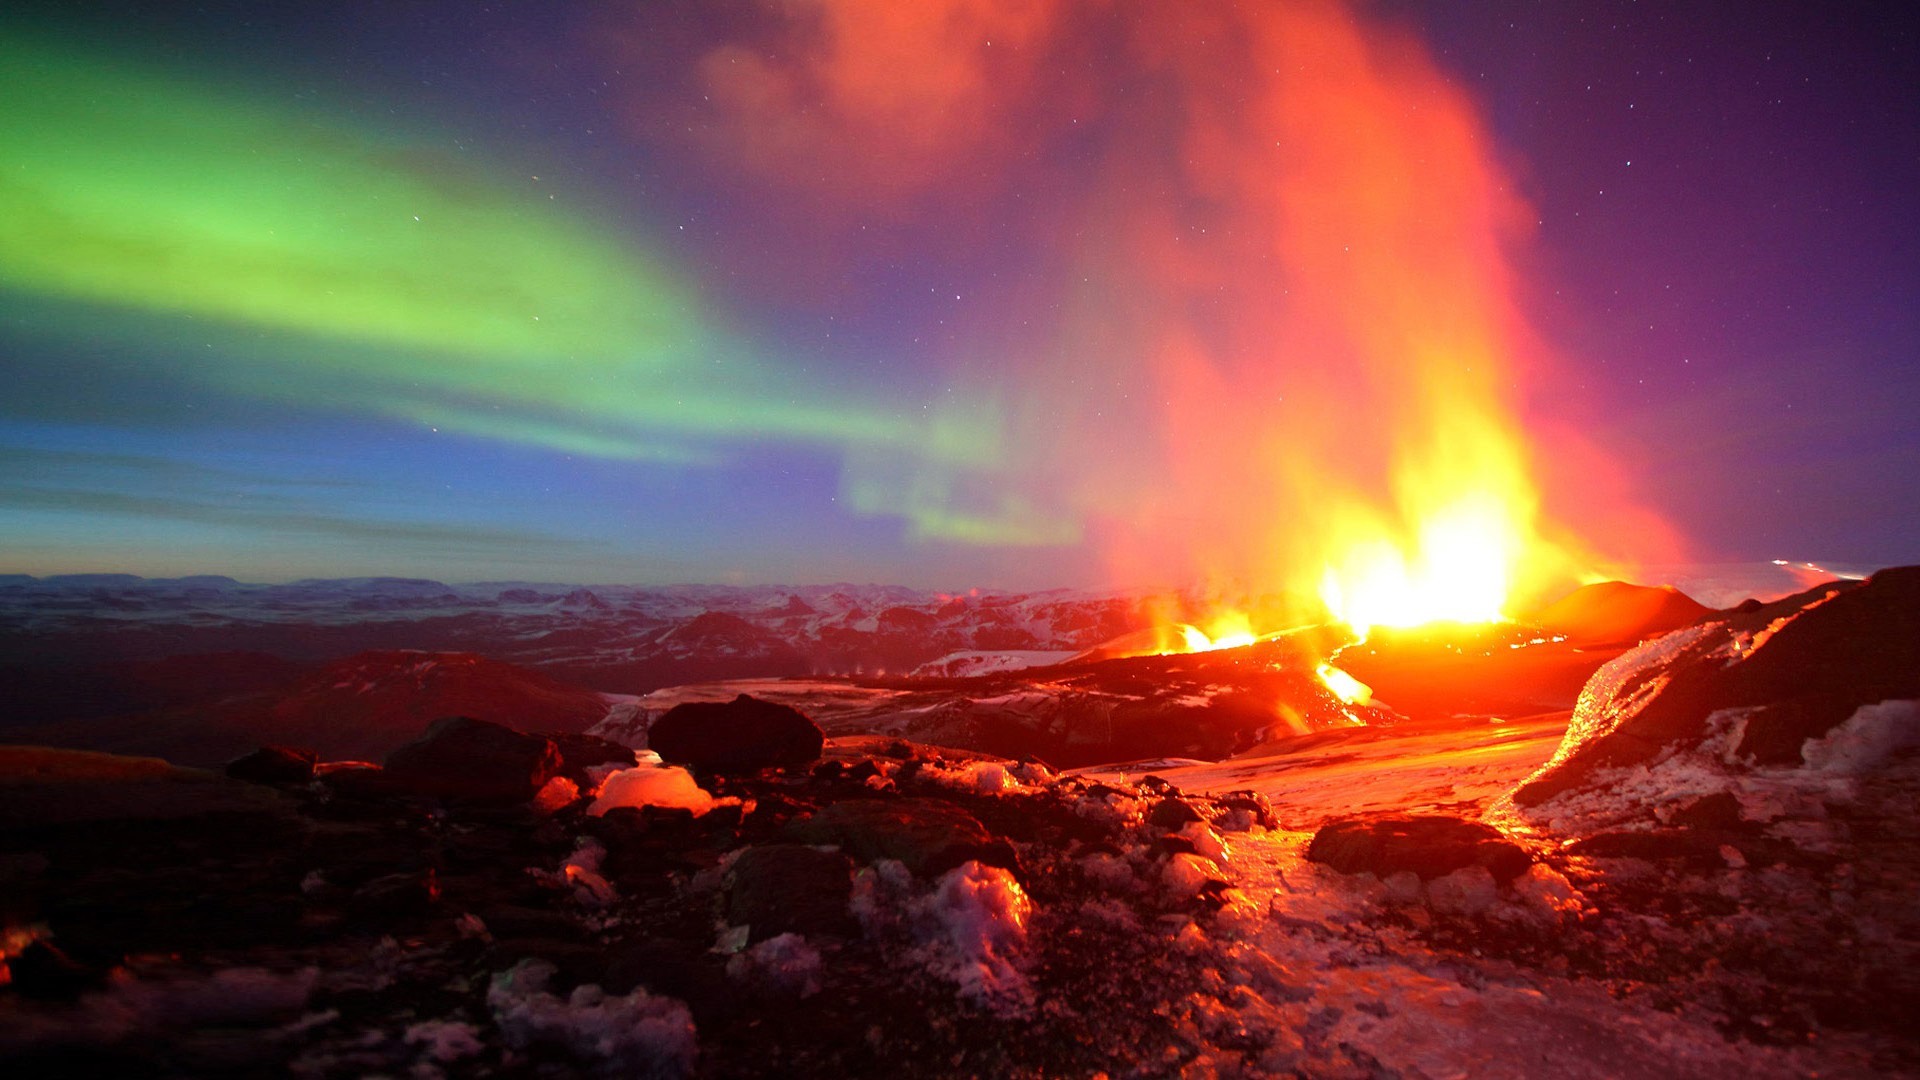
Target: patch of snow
[(1469, 890), (652, 785), (1605, 703), (444, 1040), (1640, 794), (972, 662), (555, 795), (1865, 740), (132, 1004), (1108, 871), (582, 871), (978, 777), (1185, 875), (1206, 842), (972, 929), (1548, 892), (787, 962), (631, 1034)]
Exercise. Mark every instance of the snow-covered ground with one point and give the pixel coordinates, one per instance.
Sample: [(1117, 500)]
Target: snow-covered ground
[(1309, 958)]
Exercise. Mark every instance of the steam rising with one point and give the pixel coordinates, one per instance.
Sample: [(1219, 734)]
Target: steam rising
[(1277, 330), (1233, 292)]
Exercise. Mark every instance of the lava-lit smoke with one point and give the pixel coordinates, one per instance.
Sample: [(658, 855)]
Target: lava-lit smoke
[(1266, 331)]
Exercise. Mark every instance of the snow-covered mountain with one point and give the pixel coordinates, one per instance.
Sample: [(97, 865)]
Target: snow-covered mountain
[(624, 639)]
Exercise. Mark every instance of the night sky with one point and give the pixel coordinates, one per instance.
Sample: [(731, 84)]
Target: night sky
[(962, 293)]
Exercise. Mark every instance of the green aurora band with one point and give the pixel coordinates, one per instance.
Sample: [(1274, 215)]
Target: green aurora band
[(302, 258)]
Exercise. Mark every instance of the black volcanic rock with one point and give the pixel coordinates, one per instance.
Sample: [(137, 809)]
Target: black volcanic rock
[(463, 758), (1429, 845), (741, 735), (790, 888), (1794, 670), (274, 765), (1173, 814), (928, 836)]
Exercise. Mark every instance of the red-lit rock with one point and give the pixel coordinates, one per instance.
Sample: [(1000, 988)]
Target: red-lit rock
[(1750, 688), (1430, 846), (928, 836), (463, 758)]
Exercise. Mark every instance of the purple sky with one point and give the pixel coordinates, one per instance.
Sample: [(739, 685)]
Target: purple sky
[(844, 362)]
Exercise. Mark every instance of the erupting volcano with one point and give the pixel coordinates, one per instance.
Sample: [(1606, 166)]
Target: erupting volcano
[(977, 538)]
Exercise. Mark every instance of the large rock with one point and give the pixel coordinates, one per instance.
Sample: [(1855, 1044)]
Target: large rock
[(1429, 845), (474, 760), (742, 735), (1750, 689), (928, 836), (790, 888)]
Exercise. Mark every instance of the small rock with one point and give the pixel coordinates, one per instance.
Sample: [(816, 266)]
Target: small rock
[(1253, 804), (1431, 846), (1720, 810), (1173, 814), (928, 836), (742, 735), (274, 765), (789, 888)]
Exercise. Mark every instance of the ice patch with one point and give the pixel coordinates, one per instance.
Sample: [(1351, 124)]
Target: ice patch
[(637, 1034), (444, 1040), (983, 777), (1865, 740), (652, 785), (969, 930), (1185, 875), (555, 795), (973, 928), (788, 963)]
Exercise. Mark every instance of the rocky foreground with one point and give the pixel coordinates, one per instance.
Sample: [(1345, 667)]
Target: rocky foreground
[(1713, 875)]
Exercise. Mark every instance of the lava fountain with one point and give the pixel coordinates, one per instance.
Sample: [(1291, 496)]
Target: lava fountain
[(1265, 329)]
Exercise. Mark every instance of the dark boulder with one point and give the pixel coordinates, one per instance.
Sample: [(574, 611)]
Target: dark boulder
[(789, 888), (1430, 846), (742, 735), (928, 836), (274, 765), (474, 760)]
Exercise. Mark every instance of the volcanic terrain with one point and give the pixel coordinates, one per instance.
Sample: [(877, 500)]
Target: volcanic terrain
[(1633, 836)]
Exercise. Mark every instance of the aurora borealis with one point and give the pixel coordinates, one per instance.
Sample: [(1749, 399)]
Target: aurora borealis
[(979, 295)]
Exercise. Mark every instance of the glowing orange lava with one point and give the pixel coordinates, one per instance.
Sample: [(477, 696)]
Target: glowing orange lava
[(1344, 686), (1229, 630)]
